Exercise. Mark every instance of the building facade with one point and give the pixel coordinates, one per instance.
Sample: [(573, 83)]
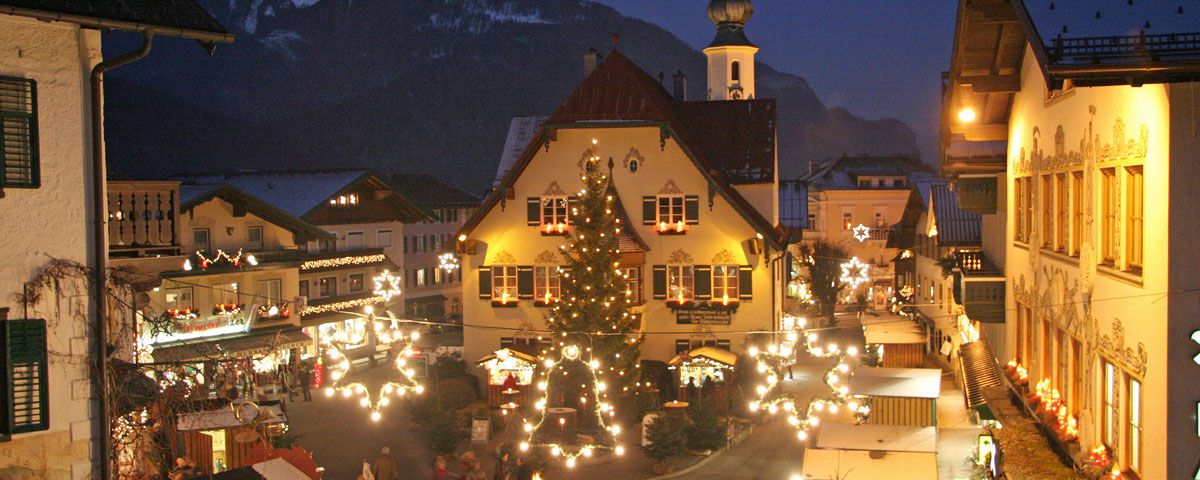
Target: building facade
[(432, 291), (1094, 186), (696, 183), (52, 421)]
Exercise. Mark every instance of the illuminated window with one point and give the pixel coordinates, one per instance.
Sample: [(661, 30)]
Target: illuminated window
[(346, 200), (357, 282), (1076, 394), (1133, 429), (327, 287), (1063, 206), (178, 298), (270, 292), (1135, 198), (1076, 212), (670, 209), (1047, 366), (880, 220), (633, 282), (504, 283), (1108, 218), (1110, 403), (547, 285), (725, 282), (681, 283), (847, 220), (420, 280), (554, 211), (1047, 200)]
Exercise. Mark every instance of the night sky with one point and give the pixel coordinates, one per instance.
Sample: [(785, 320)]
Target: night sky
[(878, 59)]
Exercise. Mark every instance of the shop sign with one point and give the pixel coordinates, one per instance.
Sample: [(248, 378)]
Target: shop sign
[(703, 316), (201, 327)]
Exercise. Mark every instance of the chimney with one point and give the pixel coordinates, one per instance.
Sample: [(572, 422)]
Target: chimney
[(679, 86), (812, 166), (590, 59)]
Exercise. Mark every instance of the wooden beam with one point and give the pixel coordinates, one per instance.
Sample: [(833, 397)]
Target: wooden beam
[(993, 83), (986, 132)]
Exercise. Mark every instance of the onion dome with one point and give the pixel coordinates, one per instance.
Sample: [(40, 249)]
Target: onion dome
[(736, 12)]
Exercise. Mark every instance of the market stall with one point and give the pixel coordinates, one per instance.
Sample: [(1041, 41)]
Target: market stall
[(899, 396), (509, 376), (703, 367), (221, 439), (872, 451), (903, 340)]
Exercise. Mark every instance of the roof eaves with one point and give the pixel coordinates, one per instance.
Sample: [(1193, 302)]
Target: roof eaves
[(108, 23), (262, 208)]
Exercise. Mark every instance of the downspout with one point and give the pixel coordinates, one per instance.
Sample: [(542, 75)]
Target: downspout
[(100, 244)]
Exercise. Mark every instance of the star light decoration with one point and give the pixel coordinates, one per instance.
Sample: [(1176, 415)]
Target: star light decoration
[(855, 272), (604, 410), (862, 233), (387, 331), (779, 357), (448, 261), (387, 285)]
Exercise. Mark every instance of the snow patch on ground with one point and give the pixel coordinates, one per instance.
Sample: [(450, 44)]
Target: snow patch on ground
[(282, 40), (304, 3), (509, 14)]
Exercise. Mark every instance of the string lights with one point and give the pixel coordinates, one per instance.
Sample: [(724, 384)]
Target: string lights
[(603, 410), (236, 260), (342, 261), (387, 331)]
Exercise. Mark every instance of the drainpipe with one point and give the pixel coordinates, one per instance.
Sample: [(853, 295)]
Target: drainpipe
[(100, 244)]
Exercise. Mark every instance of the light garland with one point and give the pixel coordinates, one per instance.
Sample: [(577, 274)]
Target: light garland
[(387, 285), (339, 365), (342, 305), (236, 260), (448, 261), (862, 233), (778, 357), (342, 261), (855, 273), (601, 408)]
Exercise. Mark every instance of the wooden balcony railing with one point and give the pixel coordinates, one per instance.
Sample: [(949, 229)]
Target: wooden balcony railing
[(142, 218)]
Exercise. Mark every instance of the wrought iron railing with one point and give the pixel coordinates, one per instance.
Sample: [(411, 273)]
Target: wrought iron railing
[(1096, 48)]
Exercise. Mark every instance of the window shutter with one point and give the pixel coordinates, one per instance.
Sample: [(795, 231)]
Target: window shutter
[(26, 391), (703, 281), (572, 204), (682, 346), (485, 283), (649, 208), (19, 164), (524, 282), (691, 209), (660, 282), (533, 209), (746, 282)]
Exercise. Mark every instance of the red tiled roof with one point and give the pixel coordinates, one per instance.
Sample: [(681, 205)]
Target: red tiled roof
[(616, 90), (630, 241)]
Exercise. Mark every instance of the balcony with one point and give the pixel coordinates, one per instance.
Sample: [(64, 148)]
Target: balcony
[(142, 219), (358, 258), (318, 310), (979, 287)]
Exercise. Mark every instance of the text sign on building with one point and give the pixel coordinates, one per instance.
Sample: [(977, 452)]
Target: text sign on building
[(703, 316), (977, 194)]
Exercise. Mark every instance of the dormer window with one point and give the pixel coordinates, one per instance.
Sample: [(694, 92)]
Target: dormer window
[(346, 200)]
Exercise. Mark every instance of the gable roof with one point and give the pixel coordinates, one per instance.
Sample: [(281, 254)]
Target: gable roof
[(521, 131), (190, 196), (301, 192), (955, 226), (619, 93), (428, 191), (841, 173), (179, 18)]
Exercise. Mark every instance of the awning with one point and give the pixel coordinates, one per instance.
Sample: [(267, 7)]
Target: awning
[(503, 352), (979, 371), (223, 418), (239, 346), (719, 355)]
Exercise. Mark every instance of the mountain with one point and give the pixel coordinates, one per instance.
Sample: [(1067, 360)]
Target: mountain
[(414, 86)]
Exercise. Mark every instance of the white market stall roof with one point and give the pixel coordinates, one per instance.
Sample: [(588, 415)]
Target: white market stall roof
[(891, 330), (279, 469), (860, 464), (891, 438), (896, 382), (225, 418), (507, 352), (719, 355)]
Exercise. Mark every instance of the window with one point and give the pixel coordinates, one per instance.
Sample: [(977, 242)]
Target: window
[(1019, 198), (354, 240), (1076, 212), (326, 245), (304, 288), (1075, 396), (735, 71), (346, 200), (1110, 405), (504, 283), (254, 238), (681, 283), (200, 239), (554, 213), (670, 211), (812, 222), (547, 285), (404, 240), (880, 220), (437, 276), (1135, 197), (1020, 336), (226, 294), (1108, 217), (1061, 226), (1047, 200), (455, 305), (1060, 354), (357, 282), (270, 292), (19, 134), (420, 280), (25, 395), (864, 183), (1133, 429), (634, 164), (847, 220), (1047, 366), (633, 283), (725, 283), (383, 238), (327, 287), (178, 298)]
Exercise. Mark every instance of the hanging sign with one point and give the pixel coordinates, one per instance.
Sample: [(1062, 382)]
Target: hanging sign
[(703, 316)]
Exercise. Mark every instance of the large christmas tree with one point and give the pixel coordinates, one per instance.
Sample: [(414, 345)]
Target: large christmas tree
[(593, 312)]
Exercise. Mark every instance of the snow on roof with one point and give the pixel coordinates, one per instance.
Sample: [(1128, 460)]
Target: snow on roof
[(225, 418), (293, 192), (279, 469), (837, 464), (891, 438), (520, 133), (897, 382), (891, 330), (841, 173)]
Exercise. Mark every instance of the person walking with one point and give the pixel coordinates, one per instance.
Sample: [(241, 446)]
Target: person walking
[(524, 471), (471, 468), (305, 381), (385, 465), (502, 472), (439, 469)]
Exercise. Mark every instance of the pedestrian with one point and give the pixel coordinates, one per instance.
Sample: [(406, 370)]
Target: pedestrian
[(510, 383), (385, 465), (691, 389), (305, 381), (524, 471), (439, 469), (502, 472), (471, 468)]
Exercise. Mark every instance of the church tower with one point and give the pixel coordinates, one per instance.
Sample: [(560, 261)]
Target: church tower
[(730, 55)]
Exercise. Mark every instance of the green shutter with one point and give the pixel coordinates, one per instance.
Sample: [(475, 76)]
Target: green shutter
[(19, 163), (649, 210), (659, 278), (746, 282), (703, 281), (26, 394), (533, 211), (524, 282), (691, 209), (485, 283)]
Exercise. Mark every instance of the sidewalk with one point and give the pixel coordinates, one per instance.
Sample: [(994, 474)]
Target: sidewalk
[(957, 436)]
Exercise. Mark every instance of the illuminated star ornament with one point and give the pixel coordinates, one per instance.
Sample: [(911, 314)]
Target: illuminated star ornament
[(448, 262), (778, 358), (603, 410), (855, 272), (387, 285), (862, 232), (387, 331)]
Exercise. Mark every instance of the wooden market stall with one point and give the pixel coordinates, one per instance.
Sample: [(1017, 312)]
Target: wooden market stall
[(899, 396), (871, 451), (217, 440), (502, 364), (702, 365), (903, 341)]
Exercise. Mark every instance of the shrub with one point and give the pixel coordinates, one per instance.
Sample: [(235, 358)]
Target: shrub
[(454, 394), (666, 436), (707, 430), (445, 431)]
